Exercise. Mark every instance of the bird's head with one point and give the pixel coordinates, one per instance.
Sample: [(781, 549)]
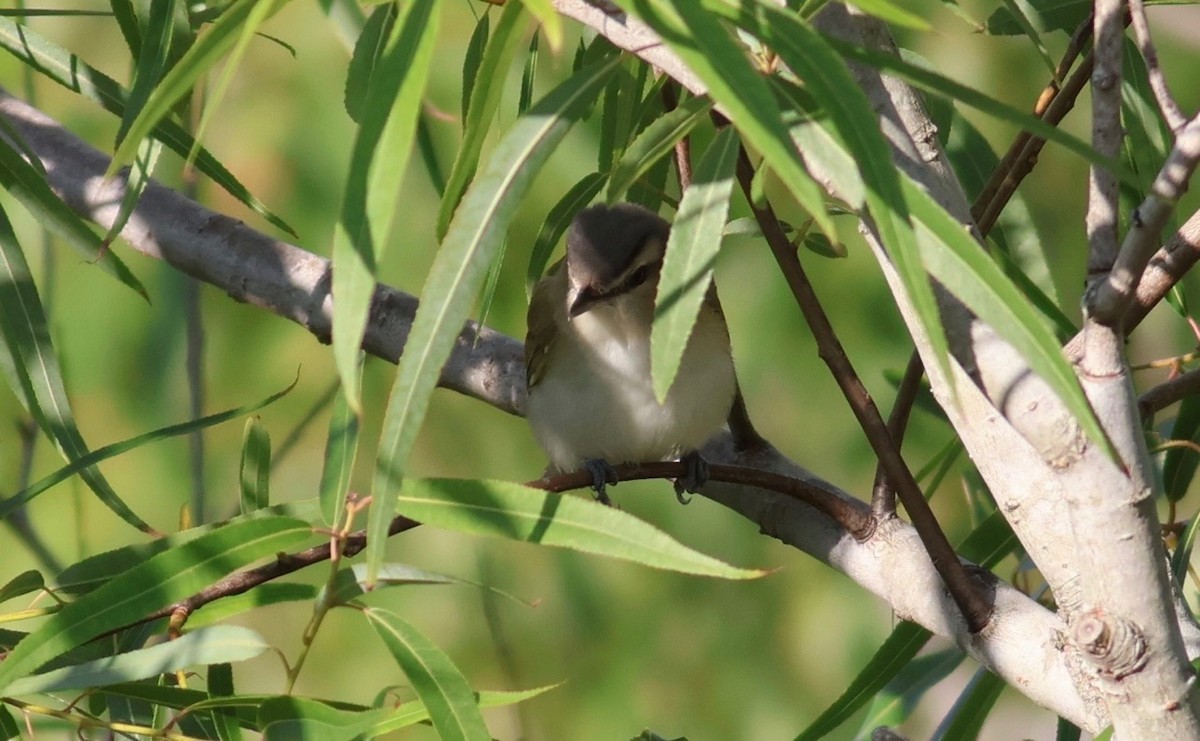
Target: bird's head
[(612, 251)]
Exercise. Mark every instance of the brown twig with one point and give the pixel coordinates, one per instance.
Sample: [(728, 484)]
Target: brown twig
[(284, 564), (1158, 82), (1168, 266), (855, 519), (1167, 393), (883, 496), (975, 608), (1052, 105)]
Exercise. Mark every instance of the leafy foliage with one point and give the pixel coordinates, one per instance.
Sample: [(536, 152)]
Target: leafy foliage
[(143, 629)]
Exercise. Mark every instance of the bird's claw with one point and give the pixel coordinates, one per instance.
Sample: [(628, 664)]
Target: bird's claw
[(696, 477), (602, 474)]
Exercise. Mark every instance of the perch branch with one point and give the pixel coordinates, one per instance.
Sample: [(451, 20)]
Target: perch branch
[(1158, 81)]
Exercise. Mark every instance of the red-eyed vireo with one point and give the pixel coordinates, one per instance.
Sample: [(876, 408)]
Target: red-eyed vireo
[(591, 402)]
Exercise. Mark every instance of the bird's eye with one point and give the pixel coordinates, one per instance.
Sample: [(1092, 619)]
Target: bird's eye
[(639, 276)]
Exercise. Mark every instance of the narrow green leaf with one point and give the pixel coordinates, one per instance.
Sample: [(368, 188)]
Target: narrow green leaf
[(485, 99), (955, 260), (1030, 21), (220, 685), (518, 512), (204, 646), (473, 58), (411, 713), (973, 706), (1179, 463), (152, 61), (528, 75), (442, 688), (137, 180), (264, 595), (820, 144), (1182, 557), (897, 651), (1056, 15), (826, 77), (655, 142), (94, 571), (894, 14), (8, 724), (938, 84), (1065, 730), (39, 382), (29, 186), (691, 254), (198, 60), (894, 704), (67, 70), (478, 229), (377, 167), (365, 59), (546, 14), (88, 460), (986, 545), (341, 449), (709, 50), (289, 718), (22, 584), (577, 197), (255, 471), (127, 21), (157, 582)]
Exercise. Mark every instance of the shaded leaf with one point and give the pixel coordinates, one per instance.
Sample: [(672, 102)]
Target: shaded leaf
[(364, 60), (255, 472), (22, 584), (473, 58), (341, 449), (577, 197), (972, 707), (31, 365), (88, 460)]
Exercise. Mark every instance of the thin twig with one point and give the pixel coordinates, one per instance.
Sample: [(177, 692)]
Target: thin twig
[(1158, 81), (1052, 104), (883, 496), (856, 520), (1022, 155), (1167, 393), (975, 608)]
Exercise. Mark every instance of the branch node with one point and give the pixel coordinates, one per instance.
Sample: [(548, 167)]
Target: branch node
[(1114, 646)]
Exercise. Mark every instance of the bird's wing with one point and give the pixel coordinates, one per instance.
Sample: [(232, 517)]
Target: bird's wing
[(544, 307)]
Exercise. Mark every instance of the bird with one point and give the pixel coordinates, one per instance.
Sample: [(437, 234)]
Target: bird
[(591, 401)]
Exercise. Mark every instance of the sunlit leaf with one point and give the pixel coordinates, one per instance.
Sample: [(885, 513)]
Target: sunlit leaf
[(442, 688), (341, 449), (577, 197), (955, 260), (710, 50), (204, 646), (155, 583), (377, 167), (517, 512), (691, 255)]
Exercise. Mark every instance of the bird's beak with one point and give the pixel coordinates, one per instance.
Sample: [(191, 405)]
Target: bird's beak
[(580, 299)]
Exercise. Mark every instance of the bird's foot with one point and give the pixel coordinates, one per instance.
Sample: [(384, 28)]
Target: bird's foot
[(696, 477), (602, 474)]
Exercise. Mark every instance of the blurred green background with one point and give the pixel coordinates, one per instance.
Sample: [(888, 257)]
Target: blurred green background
[(632, 647)]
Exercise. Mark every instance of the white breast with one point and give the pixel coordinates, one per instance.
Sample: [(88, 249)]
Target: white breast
[(596, 399)]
